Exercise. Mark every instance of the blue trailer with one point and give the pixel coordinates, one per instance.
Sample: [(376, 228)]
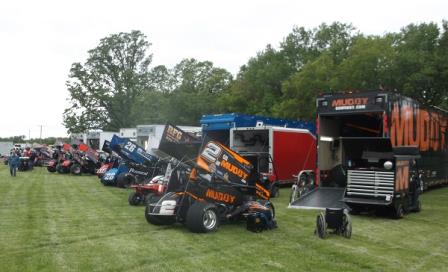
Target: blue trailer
[(217, 126)]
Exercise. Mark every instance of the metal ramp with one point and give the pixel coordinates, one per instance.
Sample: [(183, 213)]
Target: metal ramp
[(321, 198)]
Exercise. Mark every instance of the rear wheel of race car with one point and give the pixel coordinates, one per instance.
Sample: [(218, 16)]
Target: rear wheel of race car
[(157, 219), (75, 169), (124, 180), (202, 217), (135, 198)]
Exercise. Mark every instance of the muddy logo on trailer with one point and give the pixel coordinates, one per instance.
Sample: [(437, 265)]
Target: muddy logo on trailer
[(350, 103), (413, 126), (402, 176)]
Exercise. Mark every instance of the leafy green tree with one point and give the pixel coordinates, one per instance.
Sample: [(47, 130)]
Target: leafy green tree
[(422, 63), (195, 89), (105, 88)]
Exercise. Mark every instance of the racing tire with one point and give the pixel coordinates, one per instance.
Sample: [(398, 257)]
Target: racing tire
[(76, 169), (321, 226), (51, 169), (158, 220), (398, 211), (124, 180), (202, 217), (135, 198)]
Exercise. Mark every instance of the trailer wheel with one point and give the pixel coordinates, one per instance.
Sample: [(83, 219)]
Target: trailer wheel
[(158, 220), (202, 217), (321, 226), (294, 193), (398, 211), (135, 198), (75, 169)]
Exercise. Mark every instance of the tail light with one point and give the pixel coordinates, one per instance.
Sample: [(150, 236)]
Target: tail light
[(385, 125)]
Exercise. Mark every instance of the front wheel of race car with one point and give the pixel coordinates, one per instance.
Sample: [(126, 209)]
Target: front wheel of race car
[(202, 217), (135, 198), (157, 219)]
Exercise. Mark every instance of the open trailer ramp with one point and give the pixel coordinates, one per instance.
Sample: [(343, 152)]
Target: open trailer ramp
[(321, 198)]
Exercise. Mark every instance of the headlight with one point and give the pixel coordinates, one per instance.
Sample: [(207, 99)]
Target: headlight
[(388, 165)]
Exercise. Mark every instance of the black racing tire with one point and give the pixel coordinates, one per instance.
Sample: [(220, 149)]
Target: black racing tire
[(321, 226), (124, 180), (202, 217), (135, 198), (398, 211), (76, 169), (51, 169), (158, 220)]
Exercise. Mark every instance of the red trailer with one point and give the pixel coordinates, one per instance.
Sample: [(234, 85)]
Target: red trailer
[(278, 153)]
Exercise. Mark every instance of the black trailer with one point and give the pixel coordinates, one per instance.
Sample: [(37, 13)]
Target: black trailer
[(381, 148)]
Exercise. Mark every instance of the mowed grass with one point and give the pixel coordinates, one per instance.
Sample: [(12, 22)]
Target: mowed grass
[(52, 222)]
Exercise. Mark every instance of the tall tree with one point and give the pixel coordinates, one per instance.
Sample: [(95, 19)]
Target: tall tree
[(104, 89)]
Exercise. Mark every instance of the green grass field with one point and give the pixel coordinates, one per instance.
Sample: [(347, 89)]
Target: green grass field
[(52, 222)]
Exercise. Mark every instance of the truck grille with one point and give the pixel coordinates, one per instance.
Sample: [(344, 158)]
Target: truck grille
[(370, 183)]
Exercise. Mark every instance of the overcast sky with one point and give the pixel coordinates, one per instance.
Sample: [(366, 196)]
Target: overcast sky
[(41, 39)]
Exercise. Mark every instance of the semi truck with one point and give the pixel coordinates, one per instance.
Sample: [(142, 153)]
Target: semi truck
[(381, 147)]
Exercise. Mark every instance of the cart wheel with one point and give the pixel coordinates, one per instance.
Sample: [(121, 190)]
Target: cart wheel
[(399, 211), (202, 217), (347, 229), (134, 198), (321, 226)]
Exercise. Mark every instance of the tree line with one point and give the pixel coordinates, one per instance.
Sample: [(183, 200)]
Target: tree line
[(117, 86)]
